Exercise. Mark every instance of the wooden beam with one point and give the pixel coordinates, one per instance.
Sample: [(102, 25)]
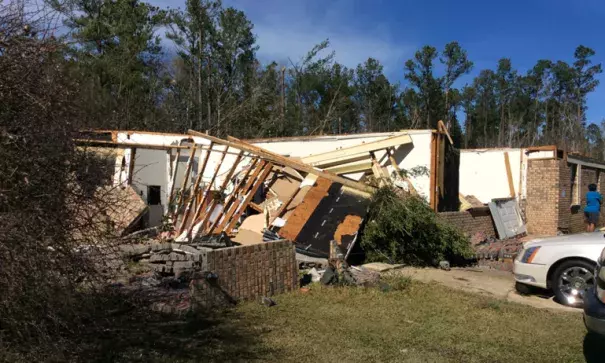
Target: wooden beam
[(441, 169), (350, 152), (236, 203), (206, 192), (133, 155), (185, 181), (127, 145), (221, 189), (509, 175), (350, 168), (194, 190), (244, 204), (441, 125), (280, 160)]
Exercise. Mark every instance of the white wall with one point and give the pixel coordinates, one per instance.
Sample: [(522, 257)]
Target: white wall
[(483, 172)]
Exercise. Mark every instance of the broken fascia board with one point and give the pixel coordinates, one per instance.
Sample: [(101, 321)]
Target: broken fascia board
[(572, 160)]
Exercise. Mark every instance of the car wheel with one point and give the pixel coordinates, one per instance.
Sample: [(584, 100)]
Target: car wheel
[(571, 280)]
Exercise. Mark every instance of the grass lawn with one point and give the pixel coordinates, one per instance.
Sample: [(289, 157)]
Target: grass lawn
[(412, 322)]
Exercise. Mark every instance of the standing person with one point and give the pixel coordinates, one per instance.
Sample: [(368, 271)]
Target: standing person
[(593, 207)]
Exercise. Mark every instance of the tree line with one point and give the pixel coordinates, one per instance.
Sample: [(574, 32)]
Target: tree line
[(203, 73)]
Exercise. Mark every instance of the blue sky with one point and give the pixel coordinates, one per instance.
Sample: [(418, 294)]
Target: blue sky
[(392, 30)]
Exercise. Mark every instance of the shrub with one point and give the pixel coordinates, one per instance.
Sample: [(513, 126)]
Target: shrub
[(406, 230)]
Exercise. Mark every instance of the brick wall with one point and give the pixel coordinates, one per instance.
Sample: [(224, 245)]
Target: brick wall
[(543, 196), (471, 222), (550, 197), (246, 272)]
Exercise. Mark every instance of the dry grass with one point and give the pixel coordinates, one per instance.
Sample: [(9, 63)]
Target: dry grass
[(402, 322)]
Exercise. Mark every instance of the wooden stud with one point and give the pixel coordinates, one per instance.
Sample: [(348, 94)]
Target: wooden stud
[(206, 192), (195, 189), (509, 175), (236, 203), (280, 160), (221, 189), (133, 155), (233, 195), (242, 207)]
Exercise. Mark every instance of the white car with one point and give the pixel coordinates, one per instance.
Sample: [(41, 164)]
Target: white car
[(565, 264)]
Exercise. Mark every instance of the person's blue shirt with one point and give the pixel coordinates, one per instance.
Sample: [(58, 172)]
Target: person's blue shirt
[(593, 202)]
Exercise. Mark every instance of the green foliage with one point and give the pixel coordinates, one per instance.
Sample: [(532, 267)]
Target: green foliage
[(408, 231)]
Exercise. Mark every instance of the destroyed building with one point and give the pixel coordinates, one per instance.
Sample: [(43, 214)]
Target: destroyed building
[(309, 190), (548, 183)]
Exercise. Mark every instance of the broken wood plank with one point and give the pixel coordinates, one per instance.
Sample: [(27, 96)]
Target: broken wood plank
[(242, 207), (341, 155), (221, 189), (195, 188), (441, 125), (509, 175), (236, 202), (281, 160)]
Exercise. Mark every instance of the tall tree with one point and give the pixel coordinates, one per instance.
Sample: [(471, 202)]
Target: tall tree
[(419, 73), (456, 64), (117, 48)]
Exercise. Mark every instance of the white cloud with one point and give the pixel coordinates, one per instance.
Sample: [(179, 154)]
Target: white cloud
[(288, 29)]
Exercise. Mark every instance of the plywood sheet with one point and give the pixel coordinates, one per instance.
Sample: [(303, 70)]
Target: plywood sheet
[(299, 217)]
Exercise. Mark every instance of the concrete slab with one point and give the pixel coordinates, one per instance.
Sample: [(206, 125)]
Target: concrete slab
[(499, 284), (381, 267)]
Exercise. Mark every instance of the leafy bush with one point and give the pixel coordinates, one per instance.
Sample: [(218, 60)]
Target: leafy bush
[(406, 230)]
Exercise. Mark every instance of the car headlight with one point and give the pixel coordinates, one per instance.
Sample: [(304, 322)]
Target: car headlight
[(528, 254)]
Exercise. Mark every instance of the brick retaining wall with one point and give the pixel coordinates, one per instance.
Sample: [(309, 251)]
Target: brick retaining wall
[(471, 222), (246, 272)]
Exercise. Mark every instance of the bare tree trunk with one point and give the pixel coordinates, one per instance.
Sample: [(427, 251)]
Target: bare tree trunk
[(200, 118)]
